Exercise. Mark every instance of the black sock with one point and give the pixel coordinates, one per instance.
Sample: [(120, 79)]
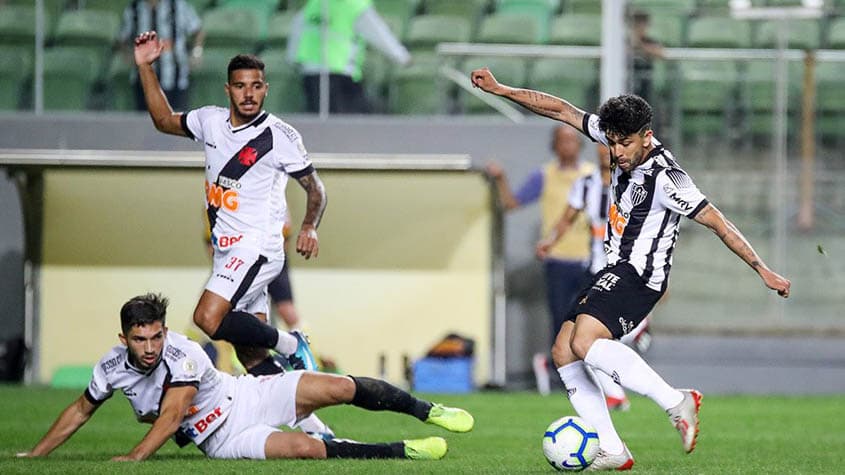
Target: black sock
[(267, 366), (348, 449), (378, 395), (241, 328)]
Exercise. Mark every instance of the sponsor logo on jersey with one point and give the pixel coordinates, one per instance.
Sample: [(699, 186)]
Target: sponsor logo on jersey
[(226, 241), (627, 326), (111, 364), (225, 276), (219, 197), (173, 353), (673, 195), (227, 182), (202, 424), (617, 218), (638, 194), (606, 282)]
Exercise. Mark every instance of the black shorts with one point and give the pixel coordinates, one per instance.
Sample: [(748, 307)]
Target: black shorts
[(618, 297), (279, 288)]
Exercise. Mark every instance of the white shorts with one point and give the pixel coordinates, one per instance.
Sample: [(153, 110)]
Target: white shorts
[(241, 275), (261, 405)]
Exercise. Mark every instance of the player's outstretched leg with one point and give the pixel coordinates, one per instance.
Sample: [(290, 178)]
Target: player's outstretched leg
[(684, 417), (288, 445)]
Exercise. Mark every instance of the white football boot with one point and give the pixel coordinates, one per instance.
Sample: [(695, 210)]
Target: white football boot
[(684, 417)]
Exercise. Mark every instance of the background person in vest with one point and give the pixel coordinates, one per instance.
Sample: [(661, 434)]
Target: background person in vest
[(177, 25), (349, 26), (565, 264)]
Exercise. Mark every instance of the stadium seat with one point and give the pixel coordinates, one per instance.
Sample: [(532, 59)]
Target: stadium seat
[(830, 102), (231, 28), (114, 6), (120, 91), (836, 34), (418, 89), (17, 25), (200, 5), (668, 30), (541, 10), (707, 95), (426, 31), (376, 74), (510, 71), (582, 29), (401, 9), (719, 32), (88, 28), (510, 28), (714, 7), (803, 34), (662, 8), (261, 9), (573, 79), (469, 9), (591, 7), (52, 8), (15, 68), (69, 74), (757, 81), (286, 94), (278, 29), (208, 79)]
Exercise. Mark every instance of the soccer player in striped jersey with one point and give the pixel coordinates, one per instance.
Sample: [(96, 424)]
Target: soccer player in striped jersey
[(650, 194)]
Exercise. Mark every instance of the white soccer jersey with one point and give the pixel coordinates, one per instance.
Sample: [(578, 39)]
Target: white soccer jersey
[(645, 211), (246, 171), (590, 196), (183, 363)]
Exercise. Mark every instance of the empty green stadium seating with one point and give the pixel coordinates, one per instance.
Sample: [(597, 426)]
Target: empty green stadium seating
[(418, 89), (52, 9), (707, 95), (470, 9), (582, 29), (17, 25), (114, 6), (830, 102), (15, 69), (262, 11), (231, 28), (582, 6), (802, 34), (758, 87), (201, 5), (510, 28), (401, 9), (69, 74), (89, 28), (285, 94), (208, 79), (425, 31), (120, 90), (658, 8), (541, 10), (836, 34), (668, 30), (278, 29), (510, 71), (376, 74), (572, 79), (719, 32)]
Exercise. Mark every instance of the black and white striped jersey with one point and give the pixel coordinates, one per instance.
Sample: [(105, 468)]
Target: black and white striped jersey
[(591, 197), (645, 210)]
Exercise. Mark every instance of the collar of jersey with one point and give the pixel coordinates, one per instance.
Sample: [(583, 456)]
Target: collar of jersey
[(253, 123), (649, 159)]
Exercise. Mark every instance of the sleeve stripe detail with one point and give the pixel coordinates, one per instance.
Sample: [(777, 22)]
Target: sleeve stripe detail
[(183, 121), (698, 208), (304, 172), (178, 384), (585, 126), (90, 397)]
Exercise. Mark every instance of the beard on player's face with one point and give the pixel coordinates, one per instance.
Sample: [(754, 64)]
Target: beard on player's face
[(248, 103)]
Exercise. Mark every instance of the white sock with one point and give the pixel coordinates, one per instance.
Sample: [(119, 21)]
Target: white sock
[(286, 344), (312, 423), (587, 399), (610, 388), (627, 368)]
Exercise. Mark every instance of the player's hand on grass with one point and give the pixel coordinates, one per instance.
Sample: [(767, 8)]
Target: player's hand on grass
[(776, 282), (125, 458), (484, 80), (147, 48), (307, 244)]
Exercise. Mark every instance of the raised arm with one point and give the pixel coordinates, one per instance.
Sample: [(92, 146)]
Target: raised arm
[(558, 231), (69, 421), (175, 404), (535, 101), (307, 243), (711, 217), (147, 50)]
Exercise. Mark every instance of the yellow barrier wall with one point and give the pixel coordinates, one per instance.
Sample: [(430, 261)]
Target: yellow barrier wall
[(404, 259)]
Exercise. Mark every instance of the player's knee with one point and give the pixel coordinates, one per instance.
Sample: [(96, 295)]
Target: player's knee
[(562, 353), (580, 345), (343, 390), (206, 320), (308, 448)]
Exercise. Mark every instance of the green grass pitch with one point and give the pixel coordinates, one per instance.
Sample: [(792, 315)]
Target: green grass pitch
[(739, 434)]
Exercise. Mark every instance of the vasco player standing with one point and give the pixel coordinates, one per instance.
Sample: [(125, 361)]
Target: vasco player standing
[(249, 155)]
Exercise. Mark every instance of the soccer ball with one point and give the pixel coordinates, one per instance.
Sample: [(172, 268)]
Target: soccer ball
[(570, 444)]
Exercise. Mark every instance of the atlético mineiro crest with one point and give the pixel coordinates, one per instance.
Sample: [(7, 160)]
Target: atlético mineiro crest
[(247, 156), (638, 194)]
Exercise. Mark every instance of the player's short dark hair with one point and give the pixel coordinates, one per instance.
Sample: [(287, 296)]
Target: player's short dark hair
[(143, 310), (625, 115), (244, 61)]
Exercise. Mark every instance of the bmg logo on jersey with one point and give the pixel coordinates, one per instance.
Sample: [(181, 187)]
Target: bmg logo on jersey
[(219, 197), (606, 282)]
